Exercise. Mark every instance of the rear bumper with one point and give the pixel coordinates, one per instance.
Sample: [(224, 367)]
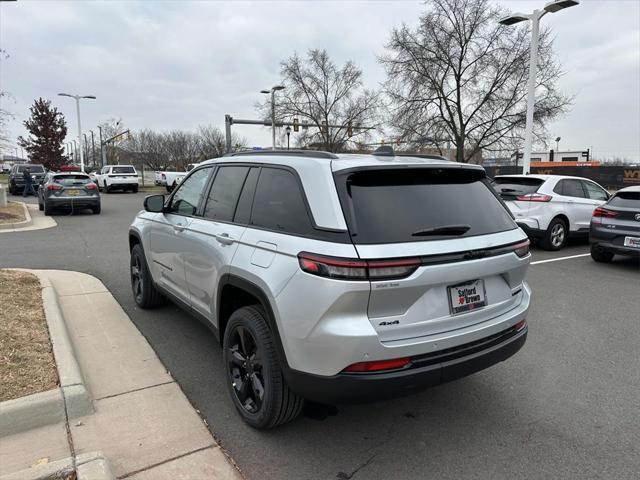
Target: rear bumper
[(57, 202), (613, 240), (425, 371)]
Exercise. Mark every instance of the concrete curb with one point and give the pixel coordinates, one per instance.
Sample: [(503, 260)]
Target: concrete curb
[(89, 466), (47, 408), (26, 223)]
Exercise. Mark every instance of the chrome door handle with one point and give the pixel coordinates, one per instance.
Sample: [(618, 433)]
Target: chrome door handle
[(179, 228), (224, 239)]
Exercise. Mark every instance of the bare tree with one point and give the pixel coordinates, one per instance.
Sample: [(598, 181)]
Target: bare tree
[(460, 76), (321, 93), (212, 142)]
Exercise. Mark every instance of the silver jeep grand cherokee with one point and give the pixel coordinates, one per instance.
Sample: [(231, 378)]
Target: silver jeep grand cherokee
[(337, 278)]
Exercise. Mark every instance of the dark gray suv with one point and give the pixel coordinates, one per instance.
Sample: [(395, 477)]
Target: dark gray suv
[(615, 226), (16, 179)]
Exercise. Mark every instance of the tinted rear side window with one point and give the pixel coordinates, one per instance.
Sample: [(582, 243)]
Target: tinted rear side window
[(511, 187), (223, 197), (32, 168), (391, 206), (278, 203), (570, 188), (123, 170), (626, 200), (71, 179)]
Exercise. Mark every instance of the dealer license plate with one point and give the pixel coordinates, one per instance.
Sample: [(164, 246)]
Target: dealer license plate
[(467, 296), (632, 242), (73, 193)]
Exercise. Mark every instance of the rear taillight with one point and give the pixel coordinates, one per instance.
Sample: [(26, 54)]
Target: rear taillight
[(356, 269), (54, 186), (90, 186), (603, 212), (522, 249), (534, 197), (378, 365)]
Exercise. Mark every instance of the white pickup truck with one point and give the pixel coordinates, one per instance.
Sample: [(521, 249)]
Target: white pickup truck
[(112, 177), (171, 179)]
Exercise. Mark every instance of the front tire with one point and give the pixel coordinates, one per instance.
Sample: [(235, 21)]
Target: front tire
[(599, 255), (556, 235), (254, 377), (145, 292)]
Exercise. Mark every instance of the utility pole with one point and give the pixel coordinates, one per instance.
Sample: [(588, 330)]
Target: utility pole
[(273, 91), (93, 149), (77, 98)]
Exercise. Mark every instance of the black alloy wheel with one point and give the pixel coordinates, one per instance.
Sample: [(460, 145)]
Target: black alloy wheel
[(254, 374), (245, 370), (144, 291)]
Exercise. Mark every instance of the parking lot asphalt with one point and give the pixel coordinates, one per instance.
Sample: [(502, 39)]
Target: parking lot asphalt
[(566, 406)]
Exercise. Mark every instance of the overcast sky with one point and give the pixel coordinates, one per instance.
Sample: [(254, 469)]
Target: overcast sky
[(165, 65)]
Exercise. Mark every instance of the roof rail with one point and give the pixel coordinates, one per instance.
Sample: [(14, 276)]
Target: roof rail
[(420, 155), (292, 153)]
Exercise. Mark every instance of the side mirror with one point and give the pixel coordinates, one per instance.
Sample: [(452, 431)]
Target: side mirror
[(154, 203)]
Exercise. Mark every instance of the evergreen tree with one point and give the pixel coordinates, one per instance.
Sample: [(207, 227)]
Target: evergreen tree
[(47, 129)]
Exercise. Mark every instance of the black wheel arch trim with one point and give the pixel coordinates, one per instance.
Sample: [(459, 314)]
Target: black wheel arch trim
[(257, 292)]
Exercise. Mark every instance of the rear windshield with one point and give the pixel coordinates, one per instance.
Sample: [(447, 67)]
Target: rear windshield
[(412, 205), (122, 170), (71, 179), (511, 187), (32, 168), (626, 199)]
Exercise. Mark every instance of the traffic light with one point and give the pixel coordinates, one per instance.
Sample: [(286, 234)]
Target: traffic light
[(296, 126)]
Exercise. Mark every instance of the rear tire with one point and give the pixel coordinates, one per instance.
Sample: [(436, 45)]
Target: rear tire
[(135, 189), (556, 235), (47, 210), (96, 210), (145, 292), (599, 255), (254, 376)]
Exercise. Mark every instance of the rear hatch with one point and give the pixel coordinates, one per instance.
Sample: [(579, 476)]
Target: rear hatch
[(517, 192), (79, 185), (621, 216), (123, 172), (443, 252)]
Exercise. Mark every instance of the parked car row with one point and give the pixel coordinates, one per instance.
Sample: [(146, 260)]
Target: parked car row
[(552, 208)]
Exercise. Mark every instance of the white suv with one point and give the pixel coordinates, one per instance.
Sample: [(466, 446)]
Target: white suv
[(337, 278), (551, 207), (122, 177)]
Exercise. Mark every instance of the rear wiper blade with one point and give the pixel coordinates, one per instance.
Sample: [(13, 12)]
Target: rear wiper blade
[(443, 230)]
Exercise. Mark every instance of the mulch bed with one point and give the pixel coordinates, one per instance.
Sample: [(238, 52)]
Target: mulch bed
[(27, 364)]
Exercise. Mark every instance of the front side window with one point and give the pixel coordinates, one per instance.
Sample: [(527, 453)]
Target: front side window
[(223, 197), (594, 192), (187, 197), (278, 203)]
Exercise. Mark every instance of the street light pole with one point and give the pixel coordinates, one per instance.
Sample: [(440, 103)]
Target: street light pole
[(93, 149), (273, 91), (535, 17), (77, 98)]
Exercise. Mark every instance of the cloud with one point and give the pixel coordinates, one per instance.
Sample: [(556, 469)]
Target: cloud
[(165, 65)]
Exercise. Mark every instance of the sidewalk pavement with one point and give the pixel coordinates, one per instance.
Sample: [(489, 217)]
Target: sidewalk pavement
[(143, 423)]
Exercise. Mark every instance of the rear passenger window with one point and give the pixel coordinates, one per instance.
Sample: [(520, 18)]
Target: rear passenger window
[(243, 211), (223, 197), (570, 188), (278, 203)]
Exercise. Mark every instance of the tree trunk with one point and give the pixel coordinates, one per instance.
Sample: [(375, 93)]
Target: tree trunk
[(460, 149)]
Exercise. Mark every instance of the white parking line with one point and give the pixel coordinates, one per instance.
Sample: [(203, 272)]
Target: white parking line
[(560, 258)]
